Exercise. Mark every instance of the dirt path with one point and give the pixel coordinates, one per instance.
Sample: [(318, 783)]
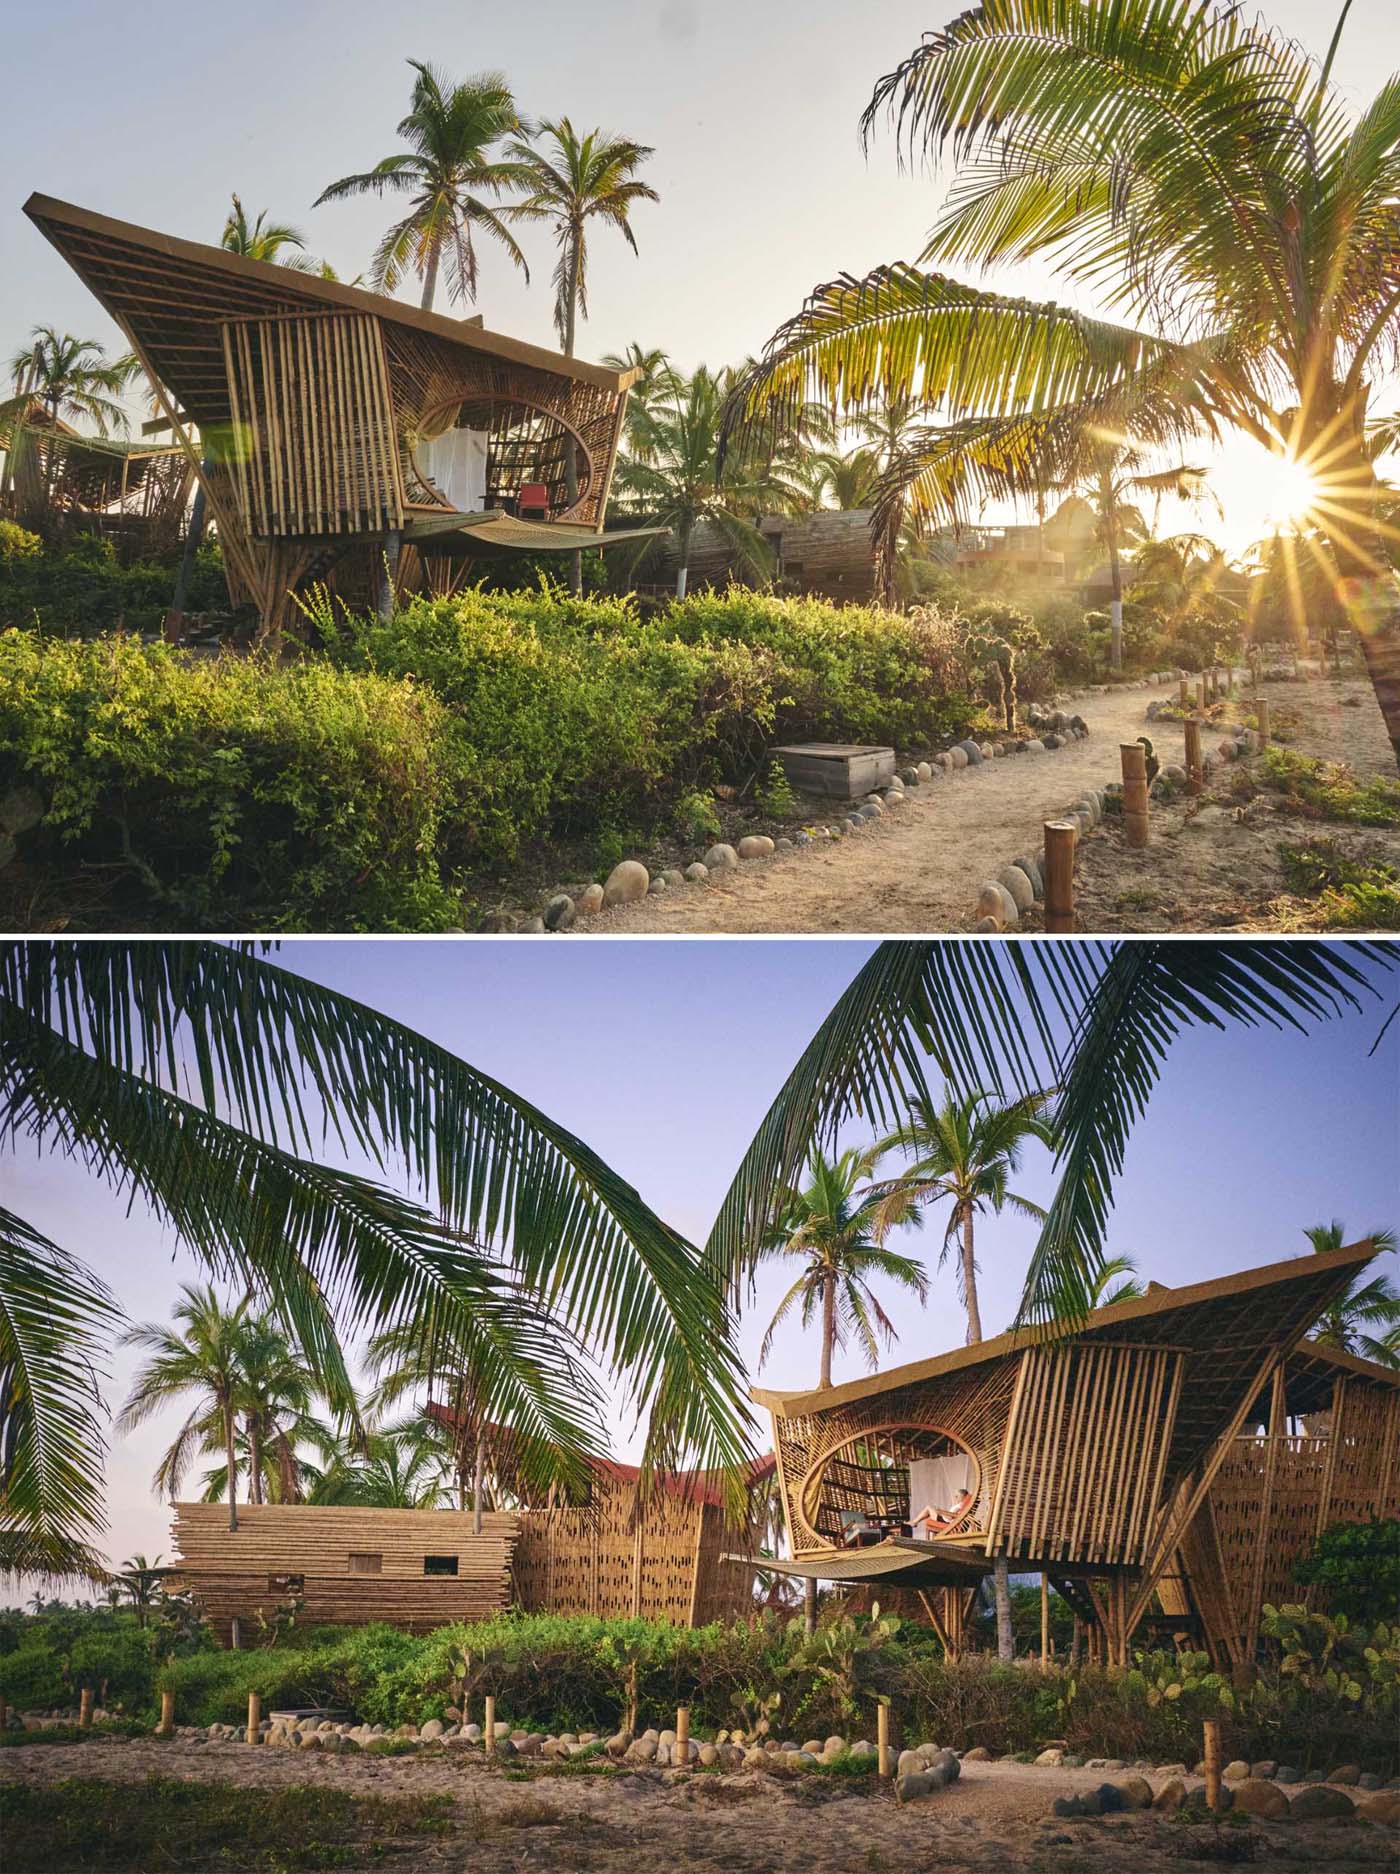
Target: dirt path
[(919, 868), (996, 1816)]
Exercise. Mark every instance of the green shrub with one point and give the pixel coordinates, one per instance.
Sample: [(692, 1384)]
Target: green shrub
[(233, 789), (1358, 1567), (82, 589), (17, 543), (1330, 789)]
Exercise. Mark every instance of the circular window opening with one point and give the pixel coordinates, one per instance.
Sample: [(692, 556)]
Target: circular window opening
[(909, 1480), (491, 452)]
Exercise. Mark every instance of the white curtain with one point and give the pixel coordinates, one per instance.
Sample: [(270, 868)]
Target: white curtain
[(455, 463), (938, 1481)]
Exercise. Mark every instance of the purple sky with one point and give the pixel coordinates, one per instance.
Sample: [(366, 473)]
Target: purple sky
[(664, 1057)]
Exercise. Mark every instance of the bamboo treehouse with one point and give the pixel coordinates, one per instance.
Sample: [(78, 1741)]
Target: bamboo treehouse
[(1184, 1449), (341, 436), (54, 479)]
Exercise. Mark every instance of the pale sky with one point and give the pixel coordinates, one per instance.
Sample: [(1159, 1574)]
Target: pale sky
[(752, 109), (665, 1056)]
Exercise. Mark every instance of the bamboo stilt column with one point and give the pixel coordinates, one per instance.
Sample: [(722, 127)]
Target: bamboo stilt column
[(253, 1734), (1134, 759), (1060, 837), (1262, 716), (488, 1729), (166, 1726), (882, 1737), (683, 1734), (1195, 773), (1211, 1754), (85, 1708)]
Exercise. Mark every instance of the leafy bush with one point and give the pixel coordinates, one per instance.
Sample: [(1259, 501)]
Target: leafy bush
[(1330, 789), (1354, 891), (82, 589), (1358, 1565), (17, 543), (233, 789)]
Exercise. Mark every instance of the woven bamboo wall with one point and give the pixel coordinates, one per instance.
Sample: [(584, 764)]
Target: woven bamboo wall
[(1082, 1477), (237, 1572), (315, 447), (659, 1561)]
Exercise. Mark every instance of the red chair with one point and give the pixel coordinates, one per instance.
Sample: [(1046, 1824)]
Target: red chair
[(532, 503)]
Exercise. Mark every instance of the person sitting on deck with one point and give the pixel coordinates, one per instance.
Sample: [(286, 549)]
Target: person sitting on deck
[(933, 1519)]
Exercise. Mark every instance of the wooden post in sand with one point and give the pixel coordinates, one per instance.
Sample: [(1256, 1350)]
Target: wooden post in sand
[(166, 1727), (1229, 679), (85, 1708), (1195, 773), (1060, 837), (253, 1733), (1134, 759), (1212, 1761), (1044, 1621), (1261, 710), (1201, 694), (682, 1751), (488, 1728), (882, 1737), (1183, 690)]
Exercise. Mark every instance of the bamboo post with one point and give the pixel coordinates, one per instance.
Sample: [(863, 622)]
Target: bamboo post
[(1262, 714), (1230, 680), (488, 1729), (253, 1734), (1044, 1621), (1212, 1760), (882, 1737), (85, 1708), (1060, 837), (166, 1727), (1201, 694), (1195, 773), (1134, 759), (1182, 690), (683, 1734)]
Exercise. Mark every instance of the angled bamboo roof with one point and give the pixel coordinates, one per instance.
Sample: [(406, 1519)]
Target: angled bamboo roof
[(1234, 1317), (173, 295)]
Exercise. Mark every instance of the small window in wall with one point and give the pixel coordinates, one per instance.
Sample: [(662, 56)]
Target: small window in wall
[(439, 1564), (364, 1564), (286, 1584)]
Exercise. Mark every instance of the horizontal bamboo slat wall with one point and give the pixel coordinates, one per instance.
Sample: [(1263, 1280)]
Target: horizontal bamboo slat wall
[(1086, 1450), (236, 1572), (315, 450)]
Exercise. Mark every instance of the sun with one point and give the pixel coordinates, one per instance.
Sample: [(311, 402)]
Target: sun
[(1289, 489)]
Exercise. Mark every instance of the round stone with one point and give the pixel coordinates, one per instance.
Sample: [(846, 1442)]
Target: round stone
[(1035, 746), (1266, 1800), (627, 882), (531, 927), (756, 846), (996, 901), (721, 858), (957, 757), (924, 770), (697, 873), (657, 886), (1014, 880), (559, 912), (973, 751), (673, 875), (782, 845), (589, 901), (985, 924), (1032, 871), (945, 760), (1319, 1803)]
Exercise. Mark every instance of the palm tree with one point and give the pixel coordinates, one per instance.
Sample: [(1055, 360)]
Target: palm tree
[(265, 240), (652, 368), (396, 1468), (1184, 162), (832, 1231), (97, 1041), (448, 173), (203, 1357), (73, 378), (1366, 1320), (963, 1152), (675, 477), (1116, 1280), (140, 1581)]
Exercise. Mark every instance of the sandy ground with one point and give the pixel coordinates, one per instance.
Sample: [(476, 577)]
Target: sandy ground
[(1214, 864), (996, 1817), (919, 868)]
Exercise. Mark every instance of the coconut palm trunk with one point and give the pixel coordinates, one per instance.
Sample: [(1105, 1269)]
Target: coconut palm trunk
[(231, 1458), (1370, 589), (570, 453), (430, 276), (478, 1480), (255, 1489), (969, 1277)]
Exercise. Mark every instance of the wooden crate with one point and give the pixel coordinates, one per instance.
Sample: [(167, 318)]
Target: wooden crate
[(843, 770)]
